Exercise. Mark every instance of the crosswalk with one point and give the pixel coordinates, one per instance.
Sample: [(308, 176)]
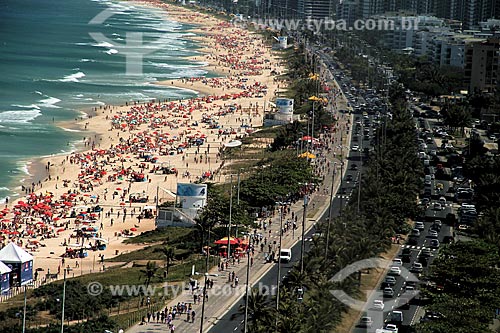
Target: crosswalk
[(415, 247)]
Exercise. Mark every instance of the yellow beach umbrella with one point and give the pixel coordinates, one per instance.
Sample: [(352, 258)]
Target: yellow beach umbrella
[(307, 155)]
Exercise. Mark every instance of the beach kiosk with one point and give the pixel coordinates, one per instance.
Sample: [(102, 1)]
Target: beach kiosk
[(20, 262), (4, 278)]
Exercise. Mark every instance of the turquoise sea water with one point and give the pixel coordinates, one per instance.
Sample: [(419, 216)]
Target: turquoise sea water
[(51, 69)]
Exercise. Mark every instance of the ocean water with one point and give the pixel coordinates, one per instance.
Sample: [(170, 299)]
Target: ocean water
[(51, 69)]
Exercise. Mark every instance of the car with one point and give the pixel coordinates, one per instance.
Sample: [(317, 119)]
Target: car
[(411, 283), (388, 292), (434, 243), (391, 328), (417, 267), (425, 252), (436, 226), (415, 232), (438, 206), (432, 234), (394, 270), (492, 137), (390, 280), (419, 225), (355, 148), (410, 288), (396, 318), (365, 322), (442, 200), (354, 167), (425, 201), (397, 262), (348, 178), (378, 305)]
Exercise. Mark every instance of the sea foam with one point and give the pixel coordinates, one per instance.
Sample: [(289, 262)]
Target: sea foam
[(73, 77), (19, 116)]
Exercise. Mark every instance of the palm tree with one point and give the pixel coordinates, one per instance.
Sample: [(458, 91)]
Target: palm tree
[(261, 312), (149, 272), (169, 254)]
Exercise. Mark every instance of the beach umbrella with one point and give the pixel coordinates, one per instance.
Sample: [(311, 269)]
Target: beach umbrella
[(232, 241)]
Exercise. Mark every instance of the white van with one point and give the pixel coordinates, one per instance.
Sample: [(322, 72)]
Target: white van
[(286, 255)]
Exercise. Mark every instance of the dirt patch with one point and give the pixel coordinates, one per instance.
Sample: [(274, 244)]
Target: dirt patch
[(368, 282)]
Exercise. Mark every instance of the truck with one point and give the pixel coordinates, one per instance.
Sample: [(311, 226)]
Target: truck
[(285, 255)]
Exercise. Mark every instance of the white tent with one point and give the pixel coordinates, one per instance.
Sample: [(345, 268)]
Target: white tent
[(13, 254)]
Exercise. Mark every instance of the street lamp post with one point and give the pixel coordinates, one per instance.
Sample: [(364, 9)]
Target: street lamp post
[(204, 295), (330, 212), (278, 278), (230, 219), (248, 288), (24, 311), (63, 301), (302, 243), (341, 169), (360, 169)]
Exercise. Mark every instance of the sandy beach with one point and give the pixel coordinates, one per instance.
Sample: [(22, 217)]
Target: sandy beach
[(124, 151)]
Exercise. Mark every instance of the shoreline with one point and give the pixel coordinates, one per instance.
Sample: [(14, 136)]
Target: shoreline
[(245, 89)]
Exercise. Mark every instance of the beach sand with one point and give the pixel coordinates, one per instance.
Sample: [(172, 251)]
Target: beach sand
[(111, 141)]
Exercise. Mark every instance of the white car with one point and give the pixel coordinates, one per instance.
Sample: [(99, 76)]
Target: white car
[(417, 267), (394, 270), (397, 262), (378, 304), (388, 292), (419, 225), (355, 148), (391, 328)]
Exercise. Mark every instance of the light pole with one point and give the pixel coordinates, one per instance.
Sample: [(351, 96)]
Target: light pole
[(248, 287), (278, 279), (24, 310), (330, 212), (302, 243), (63, 301), (238, 198), (360, 169), (341, 169), (230, 219), (204, 295)]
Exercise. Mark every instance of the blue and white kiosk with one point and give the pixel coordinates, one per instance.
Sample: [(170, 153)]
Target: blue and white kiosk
[(20, 262)]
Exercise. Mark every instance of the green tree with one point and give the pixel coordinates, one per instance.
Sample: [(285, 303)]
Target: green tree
[(149, 272), (169, 253)]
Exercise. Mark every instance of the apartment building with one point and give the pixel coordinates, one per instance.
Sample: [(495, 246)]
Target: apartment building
[(482, 63)]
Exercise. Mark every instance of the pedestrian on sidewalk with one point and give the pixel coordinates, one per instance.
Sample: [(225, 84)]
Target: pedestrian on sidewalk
[(193, 316)]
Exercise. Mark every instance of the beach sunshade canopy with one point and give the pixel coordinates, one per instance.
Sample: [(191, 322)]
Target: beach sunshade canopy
[(233, 144), (224, 241), (13, 254), (307, 155)]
